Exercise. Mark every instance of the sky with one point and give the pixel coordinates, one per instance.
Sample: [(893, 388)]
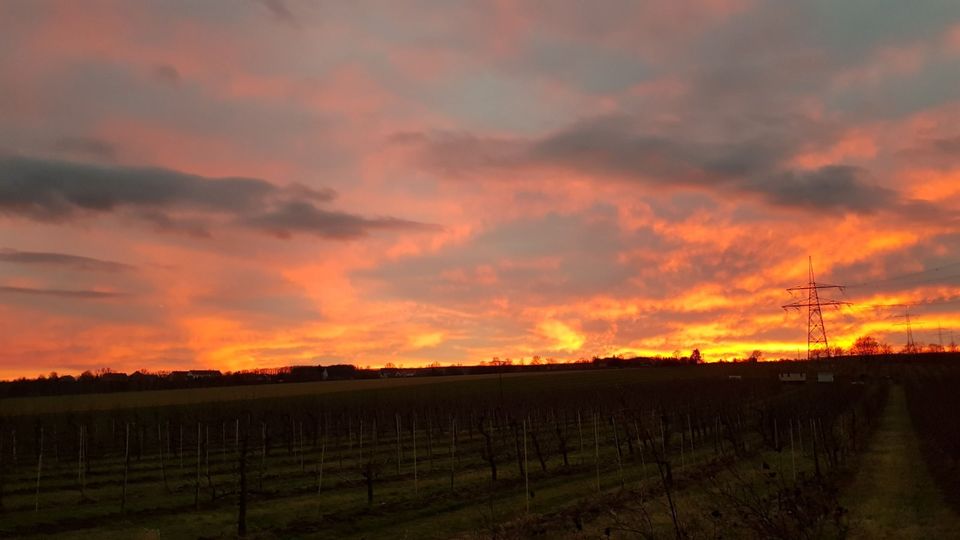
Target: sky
[(248, 184)]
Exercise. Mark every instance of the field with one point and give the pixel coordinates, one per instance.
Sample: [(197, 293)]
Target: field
[(657, 452)]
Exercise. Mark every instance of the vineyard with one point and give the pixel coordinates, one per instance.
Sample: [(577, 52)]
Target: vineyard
[(616, 452)]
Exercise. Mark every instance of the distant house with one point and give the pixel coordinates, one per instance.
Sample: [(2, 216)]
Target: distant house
[(196, 374), (391, 372), (793, 377), (824, 376)]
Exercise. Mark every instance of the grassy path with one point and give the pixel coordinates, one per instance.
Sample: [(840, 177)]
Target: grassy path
[(893, 494)]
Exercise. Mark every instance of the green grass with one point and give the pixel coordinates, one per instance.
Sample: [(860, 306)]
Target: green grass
[(893, 494)]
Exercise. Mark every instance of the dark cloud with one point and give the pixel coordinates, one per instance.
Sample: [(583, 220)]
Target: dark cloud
[(85, 147), (58, 191), (166, 73), (61, 260), (279, 10), (618, 148), (62, 293), (299, 217), (833, 186)]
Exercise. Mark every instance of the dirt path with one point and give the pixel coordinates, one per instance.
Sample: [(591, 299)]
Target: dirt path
[(893, 494)]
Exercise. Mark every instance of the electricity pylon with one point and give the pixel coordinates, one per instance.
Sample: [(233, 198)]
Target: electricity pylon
[(816, 331), (911, 346)]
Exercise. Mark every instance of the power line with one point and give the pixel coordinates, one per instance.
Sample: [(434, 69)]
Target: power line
[(918, 273)]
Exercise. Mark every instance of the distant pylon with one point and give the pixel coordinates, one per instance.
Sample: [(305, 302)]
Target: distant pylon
[(817, 344), (911, 344)]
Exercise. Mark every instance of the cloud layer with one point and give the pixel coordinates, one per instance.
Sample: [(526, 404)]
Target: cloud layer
[(59, 191), (283, 182)]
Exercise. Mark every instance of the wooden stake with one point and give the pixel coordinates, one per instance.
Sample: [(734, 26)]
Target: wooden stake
[(196, 493), (526, 470), (126, 468), (793, 459), (596, 447), (163, 470), (36, 506), (616, 440), (415, 487)]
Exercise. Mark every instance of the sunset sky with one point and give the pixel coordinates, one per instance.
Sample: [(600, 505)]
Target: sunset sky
[(241, 184)]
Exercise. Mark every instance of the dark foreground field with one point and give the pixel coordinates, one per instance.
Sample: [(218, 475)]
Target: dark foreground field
[(665, 452)]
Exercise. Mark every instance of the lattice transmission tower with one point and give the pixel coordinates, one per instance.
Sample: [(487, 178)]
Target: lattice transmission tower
[(817, 344)]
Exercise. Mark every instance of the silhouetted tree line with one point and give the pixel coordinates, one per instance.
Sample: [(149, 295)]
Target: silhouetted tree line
[(106, 380)]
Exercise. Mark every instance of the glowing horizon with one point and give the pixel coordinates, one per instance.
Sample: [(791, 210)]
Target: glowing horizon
[(277, 182)]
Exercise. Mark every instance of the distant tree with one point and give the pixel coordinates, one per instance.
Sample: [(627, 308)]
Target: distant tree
[(536, 361), (865, 346), (755, 356), (885, 348), (935, 348), (911, 348), (696, 357)]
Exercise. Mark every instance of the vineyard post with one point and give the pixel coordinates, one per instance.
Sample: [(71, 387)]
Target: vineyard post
[(300, 447), (816, 454), (616, 441), (3, 464), (776, 446), (800, 435), (663, 437), (206, 461), (323, 451), (263, 453), (126, 468), (163, 470), (399, 455), (643, 464), (415, 487), (181, 448), (596, 447), (717, 449), (80, 456), (196, 483), (681, 448), (793, 459), (242, 491), (580, 432), (526, 470), (692, 448), (36, 507), (430, 440), (453, 448), (740, 437)]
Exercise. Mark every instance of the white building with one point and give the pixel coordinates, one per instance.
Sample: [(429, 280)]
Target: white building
[(793, 377)]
